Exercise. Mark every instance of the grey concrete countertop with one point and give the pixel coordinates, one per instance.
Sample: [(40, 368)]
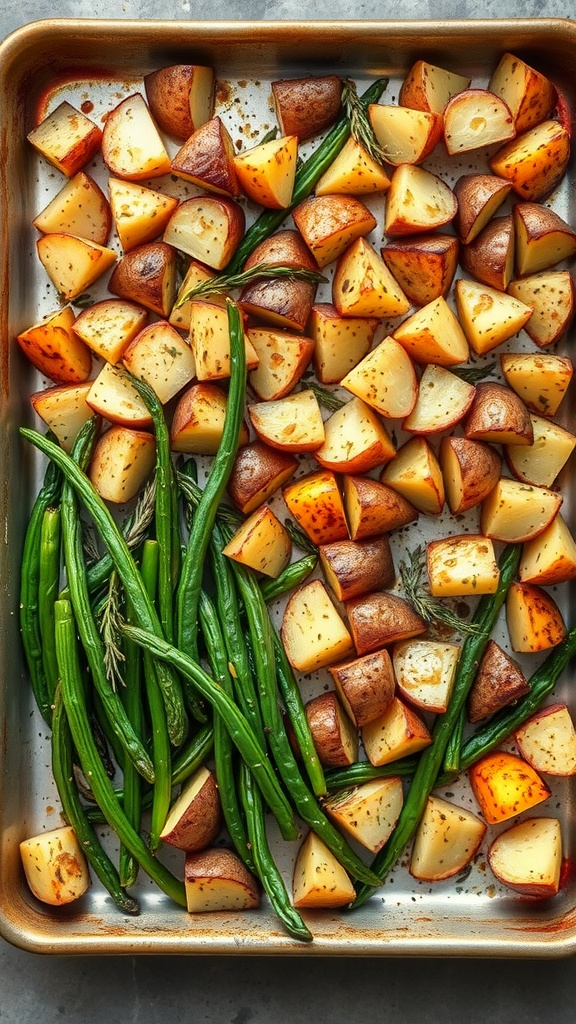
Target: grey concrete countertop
[(256, 991)]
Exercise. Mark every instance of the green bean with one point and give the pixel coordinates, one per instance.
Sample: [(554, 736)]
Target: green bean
[(263, 652), (307, 175), (452, 755), (161, 753), (294, 705), (501, 725), (362, 771), (132, 698), (430, 762), (194, 754), (73, 809), (242, 736), (188, 594), (73, 698), (88, 630), (223, 747), (166, 509), (48, 586), (48, 497), (144, 610), (292, 576), (265, 866)]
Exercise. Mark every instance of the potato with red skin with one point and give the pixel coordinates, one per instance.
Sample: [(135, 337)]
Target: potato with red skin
[(470, 469), (147, 275), (181, 98), (527, 857), (333, 734), (354, 567), (479, 196), (215, 879), (258, 472), (207, 159), (365, 685), (307, 106), (195, 818), (499, 682)]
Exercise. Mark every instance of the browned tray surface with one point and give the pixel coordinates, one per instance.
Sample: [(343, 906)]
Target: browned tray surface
[(102, 59)]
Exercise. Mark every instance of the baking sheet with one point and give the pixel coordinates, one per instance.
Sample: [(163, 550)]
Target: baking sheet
[(100, 62)]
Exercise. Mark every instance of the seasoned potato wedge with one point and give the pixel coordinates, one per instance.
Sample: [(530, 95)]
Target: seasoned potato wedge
[(423, 265), (443, 400), (55, 866), (132, 147), (363, 285), (373, 507), (258, 472), (489, 257), (207, 159), (542, 238), (447, 839), (552, 296), (425, 672), (535, 161), (313, 633), (548, 741), (198, 420), (147, 275), (329, 224), (416, 201), (416, 474), (406, 135), (356, 440), (160, 356), (515, 512), (115, 398), (282, 359), (315, 501), (540, 379), (541, 461), (365, 685), (429, 87), (266, 172), (181, 98), (210, 339), (306, 106), (462, 565), (282, 302), (385, 379), (140, 214), (334, 735), (80, 208), (108, 326), (208, 228), (550, 557), (488, 316), (381, 618), (64, 410), (195, 275), (433, 334), (368, 813), (498, 682), (395, 734), (195, 818), (55, 350), (66, 138), (475, 118), (527, 857), (353, 173), (261, 543), (470, 469), (353, 567), (479, 196), (534, 620), (339, 342), (498, 415), (122, 460), (215, 879), (505, 785), (530, 96), (293, 423), (73, 264), (319, 879)]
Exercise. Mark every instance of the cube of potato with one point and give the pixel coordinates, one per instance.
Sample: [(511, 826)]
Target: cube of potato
[(415, 473), (196, 275), (433, 334), (498, 682), (319, 881), (132, 147), (113, 396), (210, 340), (443, 401), (72, 263), (547, 741), (498, 415), (489, 257), (470, 469), (395, 734), (307, 106), (535, 161), (195, 818), (363, 285), (329, 224), (282, 359), (543, 238), (258, 472), (550, 557), (385, 379), (80, 208), (281, 302), (406, 135), (365, 685), (353, 173), (261, 543), (528, 857), (208, 228), (475, 118), (355, 440), (313, 633), (108, 327), (198, 420), (216, 880), (541, 461), (530, 96), (539, 378), (534, 619), (293, 423), (339, 342), (446, 840), (551, 294), (55, 866), (425, 671), (353, 567), (488, 316), (417, 201), (181, 97), (505, 785), (64, 410), (207, 159), (368, 813), (55, 350), (147, 275), (373, 508), (479, 196), (334, 736), (140, 214), (429, 87), (423, 265), (66, 138), (316, 503), (515, 512), (381, 618), (461, 566), (266, 172), (161, 357), (122, 460)]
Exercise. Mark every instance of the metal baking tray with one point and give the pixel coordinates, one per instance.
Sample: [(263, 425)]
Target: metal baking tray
[(95, 61)]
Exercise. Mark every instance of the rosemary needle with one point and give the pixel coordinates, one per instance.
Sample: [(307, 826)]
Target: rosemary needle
[(431, 609), (226, 282), (360, 127)]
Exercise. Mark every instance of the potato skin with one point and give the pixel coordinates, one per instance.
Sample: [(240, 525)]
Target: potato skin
[(258, 471), (498, 682), (366, 686), (354, 567), (381, 618), (490, 256), (332, 732), (306, 106)]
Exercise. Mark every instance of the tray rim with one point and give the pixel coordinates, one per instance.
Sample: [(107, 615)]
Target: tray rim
[(34, 939)]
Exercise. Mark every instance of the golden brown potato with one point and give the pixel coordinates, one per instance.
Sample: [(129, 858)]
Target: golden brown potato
[(335, 737), (443, 401), (470, 470), (73, 264), (282, 359), (542, 238), (363, 285), (329, 224), (122, 460), (355, 440), (316, 503), (499, 415), (198, 420), (433, 334), (447, 839), (113, 396), (373, 508), (284, 248), (64, 409), (415, 473), (478, 197), (207, 159), (266, 172), (405, 135), (475, 118), (385, 379), (397, 733), (55, 350), (66, 138), (417, 201), (552, 296), (505, 785), (515, 512), (488, 316), (319, 878), (548, 741), (542, 461), (354, 567), (423, 265), (161, 356), (428, 87), (530, 96), (258, 472), (140, 214), (208, 228), (540, 379), (216, 880), (490, 256), (80, 208), (535, 622), (181, 98), (147, 275), (313, 633), (381, 618), (307, 106), (293, 423), (549, 558), (365, 685), (261, 543), (339, 342), (353, 173), (462, 566), (132, 147), (535, 161), (55, 866), (369, 812), (498, 682)]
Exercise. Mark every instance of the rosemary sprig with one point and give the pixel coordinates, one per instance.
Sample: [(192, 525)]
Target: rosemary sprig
[(226, 282), (325, 397), (111, 621), (142, 516), (474, 374), (360, 127), (298, 537), (431, 609)]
